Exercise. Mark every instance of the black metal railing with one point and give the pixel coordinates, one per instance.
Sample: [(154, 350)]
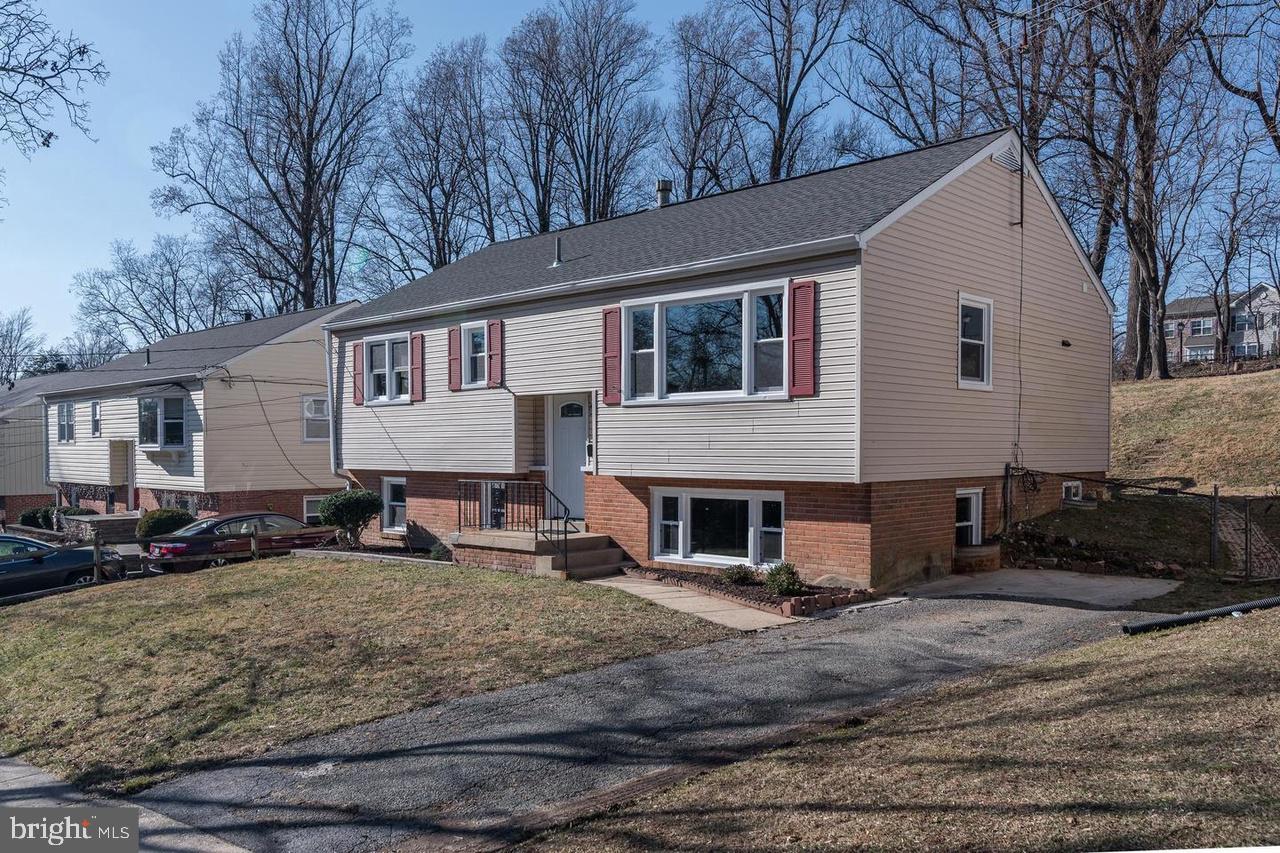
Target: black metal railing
[(526, 506)]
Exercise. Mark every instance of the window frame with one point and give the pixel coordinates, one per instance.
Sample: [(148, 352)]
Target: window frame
[(391, 398), (746, 296), (95, 419), (976, 496), (67, 422), (326, 420), (1200, 352), (1245, 345), (1072, 490), (685, 553), (464, 340), (988, 343), (1202, 322), (1250, 321), (305, 515), (387, 482), (161, 420)]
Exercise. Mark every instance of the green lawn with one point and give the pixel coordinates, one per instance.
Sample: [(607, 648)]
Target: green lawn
[(118, 687), (1160, 741)]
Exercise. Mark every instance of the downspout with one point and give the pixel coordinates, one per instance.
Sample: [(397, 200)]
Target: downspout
[(333, 408), (44, 411)]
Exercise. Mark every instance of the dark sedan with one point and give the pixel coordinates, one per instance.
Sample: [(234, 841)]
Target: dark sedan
[(20, 573), (277, 534)]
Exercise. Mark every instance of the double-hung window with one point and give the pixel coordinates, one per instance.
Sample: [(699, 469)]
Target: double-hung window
[(720, 344), (311, 509), (315, 418), (161, 422), (95, 419), (1244, 350), (975, 321), (66, 422), (717, 526), (475, 355), (1200, 326), (387, 373), (968, 517), (1243, 322), (394, 504)]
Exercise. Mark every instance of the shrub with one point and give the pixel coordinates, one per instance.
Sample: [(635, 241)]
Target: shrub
[(158, 522), (350, 512), (41, 516), (77, 510), (738, 574), (783, 579), (440, 552)]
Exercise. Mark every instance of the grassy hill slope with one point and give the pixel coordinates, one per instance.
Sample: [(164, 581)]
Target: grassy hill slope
[(1220, 429)]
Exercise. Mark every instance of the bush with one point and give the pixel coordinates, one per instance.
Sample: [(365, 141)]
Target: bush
[(440, 552), (158, 522), (41, 516), (783, 579), (350, 512), (77, 510), (738, 574)]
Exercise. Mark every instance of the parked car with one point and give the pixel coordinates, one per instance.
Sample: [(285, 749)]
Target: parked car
[(19, 574), (277, 534)]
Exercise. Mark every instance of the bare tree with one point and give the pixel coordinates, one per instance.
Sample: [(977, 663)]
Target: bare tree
[(19, 341), (43, 73), (1242, 48), (91, 345), (276, 166), (173, 288)]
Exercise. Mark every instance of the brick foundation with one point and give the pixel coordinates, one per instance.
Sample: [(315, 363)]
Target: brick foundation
[(431, 506), (284, 501), (13, 506)]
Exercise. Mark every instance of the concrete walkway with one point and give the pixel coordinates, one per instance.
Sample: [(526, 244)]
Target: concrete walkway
[(707, 607), (24, 786), (1050, 585), (460, 774)]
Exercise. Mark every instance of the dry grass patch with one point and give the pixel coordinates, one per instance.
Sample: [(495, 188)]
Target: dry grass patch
[(1161, 741), (119, 687), (1212, 430)]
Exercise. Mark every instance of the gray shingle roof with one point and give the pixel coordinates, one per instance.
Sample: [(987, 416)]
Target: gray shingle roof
[(188, 355), (833, 203), (1189, 306)]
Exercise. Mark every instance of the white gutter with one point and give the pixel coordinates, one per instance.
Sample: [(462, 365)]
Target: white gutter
[(845, 242), (333, 409)]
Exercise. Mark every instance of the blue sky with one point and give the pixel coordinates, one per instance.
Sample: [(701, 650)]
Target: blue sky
[(69, 202)]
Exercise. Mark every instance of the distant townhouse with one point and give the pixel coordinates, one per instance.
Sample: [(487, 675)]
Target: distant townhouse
[(838, 370), (230, 418), (1191, 326), (22, 446)]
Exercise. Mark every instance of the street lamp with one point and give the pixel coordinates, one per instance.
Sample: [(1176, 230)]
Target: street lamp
[(1182, 324)]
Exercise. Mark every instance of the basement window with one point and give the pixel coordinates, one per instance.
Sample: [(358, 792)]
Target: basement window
[(968, 517), (717, 527), (1072, 490)]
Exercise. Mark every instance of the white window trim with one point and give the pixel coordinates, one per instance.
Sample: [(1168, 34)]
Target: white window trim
[(67, 427), (307, 498), (160, 443), (469, 381), (390, 399), (754, 499), (1203, 321), (977, 513), (387, 482), (95, 419), (306, 398), (1072, 490), (660, 397), (989, 325)]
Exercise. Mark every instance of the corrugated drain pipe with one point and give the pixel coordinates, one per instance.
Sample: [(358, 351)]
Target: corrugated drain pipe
[(1201, 615)]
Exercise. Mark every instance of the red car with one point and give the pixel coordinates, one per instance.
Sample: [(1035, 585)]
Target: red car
[(277, 534)]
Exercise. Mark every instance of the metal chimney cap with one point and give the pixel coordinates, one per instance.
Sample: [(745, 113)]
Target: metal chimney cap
[(665, 187)]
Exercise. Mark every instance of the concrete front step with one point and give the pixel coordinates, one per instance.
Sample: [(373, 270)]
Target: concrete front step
[(584, 573), (529, 542), (578, 558)]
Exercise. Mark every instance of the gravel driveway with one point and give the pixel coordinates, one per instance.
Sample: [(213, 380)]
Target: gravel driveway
[(429, 778)]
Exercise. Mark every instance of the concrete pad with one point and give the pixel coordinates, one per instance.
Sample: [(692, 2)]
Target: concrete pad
[(713, 609), (1048, 585)]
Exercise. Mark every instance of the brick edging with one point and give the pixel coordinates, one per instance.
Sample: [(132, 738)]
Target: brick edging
[(796, 605)]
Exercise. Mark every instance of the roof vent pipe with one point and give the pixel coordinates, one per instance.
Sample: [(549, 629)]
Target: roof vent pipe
[(148, 355), (665, 186), (558, 258)]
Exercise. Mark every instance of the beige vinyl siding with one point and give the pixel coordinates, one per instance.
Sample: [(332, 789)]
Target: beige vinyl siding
[(915, 422), (89, 458), (469, 431), (555, 347), (181, 470), (22, 451), (253, 418), (531, 436)]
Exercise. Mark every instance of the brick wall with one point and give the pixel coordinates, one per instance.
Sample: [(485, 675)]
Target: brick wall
[(13, 506), (431, 504), (285, 501)]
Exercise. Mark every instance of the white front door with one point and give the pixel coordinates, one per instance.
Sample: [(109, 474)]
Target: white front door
[(569, 416)]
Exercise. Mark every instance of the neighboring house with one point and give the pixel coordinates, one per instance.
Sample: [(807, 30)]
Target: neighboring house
[(22, 450), (1191, 326), (230, 418), (832, 370)]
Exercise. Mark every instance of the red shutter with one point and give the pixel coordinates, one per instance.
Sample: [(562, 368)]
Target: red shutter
[(357, 373), (801, 349), (455, 359), (612, 360), (495, 353), (416, 387)]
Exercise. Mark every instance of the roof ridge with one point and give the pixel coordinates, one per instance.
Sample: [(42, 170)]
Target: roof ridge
[(245, 323)]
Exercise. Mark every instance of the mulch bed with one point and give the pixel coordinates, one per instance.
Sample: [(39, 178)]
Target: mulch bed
[(755, 595)]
